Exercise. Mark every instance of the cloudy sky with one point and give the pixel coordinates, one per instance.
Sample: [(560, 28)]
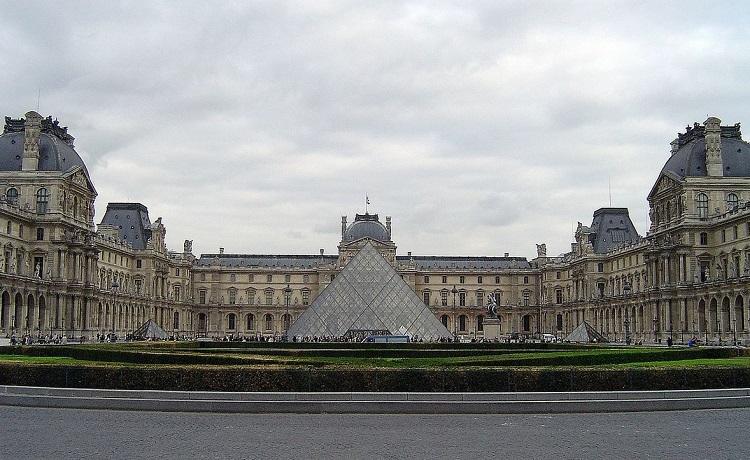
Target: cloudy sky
[(480, 127)]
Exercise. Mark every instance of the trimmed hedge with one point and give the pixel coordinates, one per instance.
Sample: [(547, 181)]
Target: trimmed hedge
[(589, 357), (316, 379)]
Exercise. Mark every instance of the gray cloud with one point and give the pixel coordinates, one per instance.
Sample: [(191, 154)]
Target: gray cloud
[(481, 127)]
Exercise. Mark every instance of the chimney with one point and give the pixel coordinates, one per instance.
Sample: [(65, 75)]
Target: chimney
[(507, 254), (714, 166), (343, 228), (674, 146), (221, 250), (31, 129), (388, 226)]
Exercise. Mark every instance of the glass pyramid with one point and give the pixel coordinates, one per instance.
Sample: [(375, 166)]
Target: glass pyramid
[(368, 297)]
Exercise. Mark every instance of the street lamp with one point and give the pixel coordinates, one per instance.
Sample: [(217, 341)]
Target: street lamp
[(287, 294), (454, 291)]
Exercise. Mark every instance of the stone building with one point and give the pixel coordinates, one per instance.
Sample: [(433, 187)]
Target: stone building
[(688, 276)]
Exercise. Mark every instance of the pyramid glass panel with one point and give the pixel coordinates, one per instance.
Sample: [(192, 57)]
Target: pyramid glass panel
[(368, 295)]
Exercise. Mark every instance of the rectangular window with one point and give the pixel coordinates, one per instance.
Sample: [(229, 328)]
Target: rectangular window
[(426, 279), (479, 280), (600, 288), (287, 278), (269, 278), (480, 298), (525, 280), (558, 296), (20, 230), (704, 239), (305, 279), (176, 272), (251, 278), (138, 263), (40, 234), (497, 280), (177, 293), (736, 232), (232, 277), (462, 299), (305, 297), (461, 279), (232, 297), (269, 297), (445, 279), (426, 297), (557, 275), (723, 235), (526, 296), (444, 298), (202, 297), (600, 267)]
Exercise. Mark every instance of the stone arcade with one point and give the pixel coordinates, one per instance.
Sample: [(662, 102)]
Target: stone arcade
[(61, 274)]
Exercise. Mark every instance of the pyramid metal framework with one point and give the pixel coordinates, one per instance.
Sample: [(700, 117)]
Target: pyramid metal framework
[(368, 296), (585, 333), (150, 330)]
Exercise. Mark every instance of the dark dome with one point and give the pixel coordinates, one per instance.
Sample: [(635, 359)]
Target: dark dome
[(690, 158), (366, 226), (54, 154)]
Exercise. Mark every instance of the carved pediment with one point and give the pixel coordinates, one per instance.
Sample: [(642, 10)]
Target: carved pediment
[(664, 184)]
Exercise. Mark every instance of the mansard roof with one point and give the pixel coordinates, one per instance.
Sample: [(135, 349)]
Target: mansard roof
[(264, 260), (132, 222), (466, 262), (611, 228)]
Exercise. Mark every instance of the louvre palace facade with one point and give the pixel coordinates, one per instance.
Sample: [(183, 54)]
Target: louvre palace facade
[(62, 274)]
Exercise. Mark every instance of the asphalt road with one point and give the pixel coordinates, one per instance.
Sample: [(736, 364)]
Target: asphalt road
[(74, 433)]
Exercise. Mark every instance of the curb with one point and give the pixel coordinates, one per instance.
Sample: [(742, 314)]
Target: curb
[(374, 403)]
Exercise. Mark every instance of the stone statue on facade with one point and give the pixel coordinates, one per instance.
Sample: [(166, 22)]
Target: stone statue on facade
[(187, 247), (37, 270), (541, 250), (719, 272), (746, 270), (492, 305), (732, 270), (28, 267)]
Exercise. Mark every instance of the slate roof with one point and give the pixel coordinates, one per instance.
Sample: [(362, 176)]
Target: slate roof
[(54, 153), (132, 222), (612, 228), (690, 159), (366, 225), (466, 262)]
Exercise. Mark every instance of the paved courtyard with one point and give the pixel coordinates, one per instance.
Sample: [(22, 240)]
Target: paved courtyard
[(73, 433)]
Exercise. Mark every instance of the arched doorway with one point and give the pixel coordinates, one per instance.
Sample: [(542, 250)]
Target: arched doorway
[(725, 323), (526, 323), (202, 322), (231, 322), (444, 320), (5, 312), (269, 322), (18, 312), (42, 313), (702, 316), (287, 320), (250, 322), (739, 313), (713, 316), (29, 313)]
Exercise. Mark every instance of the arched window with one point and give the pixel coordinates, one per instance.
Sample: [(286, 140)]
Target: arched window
[(480, 323), (732, 201), (559, 322), (231, 321), (269, 322), (12, 195), (462, 323), (202, 322), (250, 319), (269, 296), (702, 204), (176, 321), (287, 320), (444, 320), (42, 199)]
